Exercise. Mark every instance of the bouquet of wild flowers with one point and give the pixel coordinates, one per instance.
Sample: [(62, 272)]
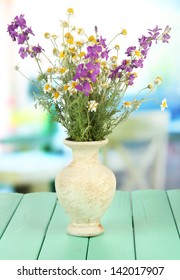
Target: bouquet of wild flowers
[(83, 85)]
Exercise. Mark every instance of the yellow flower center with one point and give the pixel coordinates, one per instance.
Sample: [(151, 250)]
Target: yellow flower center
[(70, 41), (124, 32), (81, 54), (117, 47), (55, 51), (127, 103), (74, 84), (70, 11), (62, 70), (92, 39), (62, 54), (137, 53), (56, 95), (150, 86), (49, 70), (80, 30), (79, 43), (68, 35), (158, 80), (47, 86), (47, 35), (66, 87)]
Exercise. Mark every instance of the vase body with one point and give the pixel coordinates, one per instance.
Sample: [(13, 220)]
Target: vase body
[(85, 188)]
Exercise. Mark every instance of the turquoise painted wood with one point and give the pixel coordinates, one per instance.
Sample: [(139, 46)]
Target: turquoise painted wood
[(8, 204), (139, 225), (156, 235), (60, 246), (25, 233), (117, 241), (174, 198)]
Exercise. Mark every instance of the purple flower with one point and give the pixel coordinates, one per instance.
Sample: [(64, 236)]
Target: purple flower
[(20, 22), (85, 87), (23, 52), (89, 70), (94, 70), (137, 63), (81, 71), (165, 35), (102, 42), (32, 52), (21, 38), (12, 28), (19, 32), (130, 50), (165, 38), (154, 33), (144, 42), (93, 52), (131, 78), (36, 49)]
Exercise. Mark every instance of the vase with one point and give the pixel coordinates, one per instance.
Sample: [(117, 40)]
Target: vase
[(85, 188)]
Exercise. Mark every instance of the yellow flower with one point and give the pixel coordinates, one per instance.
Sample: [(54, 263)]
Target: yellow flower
[(74, 56), (47, 88), (137, 53), (72, 87), (150, 86), (68, 35), (65, 87), (127, 104), (56, 94), (55, 52), (124, 32), (117, 47), (70, 11), (72, 50), (158, 80), (73, 84), (163, 104), (64, 24), (54, 36), (92, 39), (49, 70), (81, 54), (113, 59), (69, 38), (62, 54), (80, 31), (62, 70), (79, 43), (47, 35), (70, 41)]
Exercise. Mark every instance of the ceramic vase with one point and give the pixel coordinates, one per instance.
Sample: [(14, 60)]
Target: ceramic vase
[(85, 188)]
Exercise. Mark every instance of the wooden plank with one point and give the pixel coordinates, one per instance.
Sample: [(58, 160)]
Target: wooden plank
[(25, 233), (58, 245), (174, 198), (117, 241), (8, 205), (156, 237)]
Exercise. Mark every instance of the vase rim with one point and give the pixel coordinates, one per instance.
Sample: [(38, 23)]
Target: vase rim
[(71, 142)]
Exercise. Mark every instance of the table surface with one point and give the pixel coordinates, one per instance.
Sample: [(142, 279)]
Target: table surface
[(138, 225)]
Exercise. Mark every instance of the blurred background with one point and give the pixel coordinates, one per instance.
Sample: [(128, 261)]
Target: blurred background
[(144, 152)]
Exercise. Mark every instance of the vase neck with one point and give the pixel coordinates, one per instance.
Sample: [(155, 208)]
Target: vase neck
[(88, 154), (85, 151)]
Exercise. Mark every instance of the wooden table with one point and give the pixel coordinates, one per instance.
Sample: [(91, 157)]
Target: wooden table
[(138, 225)]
